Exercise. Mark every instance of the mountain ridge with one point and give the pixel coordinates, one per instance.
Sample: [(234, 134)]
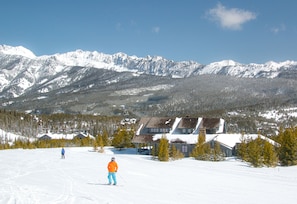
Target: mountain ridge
[(73, 81), (155, 65)]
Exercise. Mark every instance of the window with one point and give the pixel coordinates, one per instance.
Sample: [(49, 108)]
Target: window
[(159, 130), (184, 148)]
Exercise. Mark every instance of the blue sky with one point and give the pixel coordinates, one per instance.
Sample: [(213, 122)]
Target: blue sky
[(251, 31)]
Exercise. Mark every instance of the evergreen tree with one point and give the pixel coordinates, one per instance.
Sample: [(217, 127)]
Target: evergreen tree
[(269, 155), (122, 138), (95, 145), (242, 148), (163, 153), (105, 138), (199, 149), (255, 152), (287, 151), (175, 153), (217, 153), (202, 150), (154, 151), (118, 139), (101, 144)]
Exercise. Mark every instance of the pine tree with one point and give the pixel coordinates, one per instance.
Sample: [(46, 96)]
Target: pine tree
[(255, 152), (105, 138), (242, 148), (101, 144), (200, 147), (269, 155), (154, 151), (217, 153), (202, 150), (122, 138), (118, 139), (287, 151), (175, 153), (163, 154)]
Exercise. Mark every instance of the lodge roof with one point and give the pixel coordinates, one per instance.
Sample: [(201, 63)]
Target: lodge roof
[(188, 123), (162, 122), (210, 123), (142, 139)]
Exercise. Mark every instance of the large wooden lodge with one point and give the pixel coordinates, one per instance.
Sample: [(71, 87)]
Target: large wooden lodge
[(183, 132)]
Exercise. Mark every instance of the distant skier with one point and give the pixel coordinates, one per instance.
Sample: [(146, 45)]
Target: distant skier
[(112, 170), (63, 153)]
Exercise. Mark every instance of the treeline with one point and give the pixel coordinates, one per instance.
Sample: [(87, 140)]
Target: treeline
[(165, 151), (120, 139), (204, 151), (260, 152), (52, 143), (30, 125), (107, 131)]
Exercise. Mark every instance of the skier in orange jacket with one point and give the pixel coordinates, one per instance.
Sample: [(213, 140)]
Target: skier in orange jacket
[(112, 170)]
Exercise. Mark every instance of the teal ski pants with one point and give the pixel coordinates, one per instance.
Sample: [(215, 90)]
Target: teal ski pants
[(112, 177)]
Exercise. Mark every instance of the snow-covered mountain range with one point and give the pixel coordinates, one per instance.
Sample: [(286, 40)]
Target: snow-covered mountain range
[(20, 69), (23, 74)]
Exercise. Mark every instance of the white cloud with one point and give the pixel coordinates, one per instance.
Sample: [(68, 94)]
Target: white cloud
[(232, 18)]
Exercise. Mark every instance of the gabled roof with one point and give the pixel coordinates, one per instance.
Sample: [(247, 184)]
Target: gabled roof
[(210, 123), (80, 136), (45, 137), (177, 140), (188, 123), (144, 121), (162, 122), (147, 123), (175, 124), (230, 140), (63, 136), (142, 139), (174, 138)]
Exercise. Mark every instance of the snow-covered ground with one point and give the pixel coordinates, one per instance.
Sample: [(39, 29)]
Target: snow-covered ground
[(41, 176), (280, 114)]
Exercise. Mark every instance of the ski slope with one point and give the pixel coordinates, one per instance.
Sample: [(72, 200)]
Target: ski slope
[(41, 176)]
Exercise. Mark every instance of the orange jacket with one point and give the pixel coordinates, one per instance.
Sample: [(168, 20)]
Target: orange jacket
[(112, 166)]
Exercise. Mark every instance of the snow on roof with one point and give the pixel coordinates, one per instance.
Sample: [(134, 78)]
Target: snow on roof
[(188, 138), (230, 139), (64, 136), (226, 139), (221, 126), (138, 131)]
